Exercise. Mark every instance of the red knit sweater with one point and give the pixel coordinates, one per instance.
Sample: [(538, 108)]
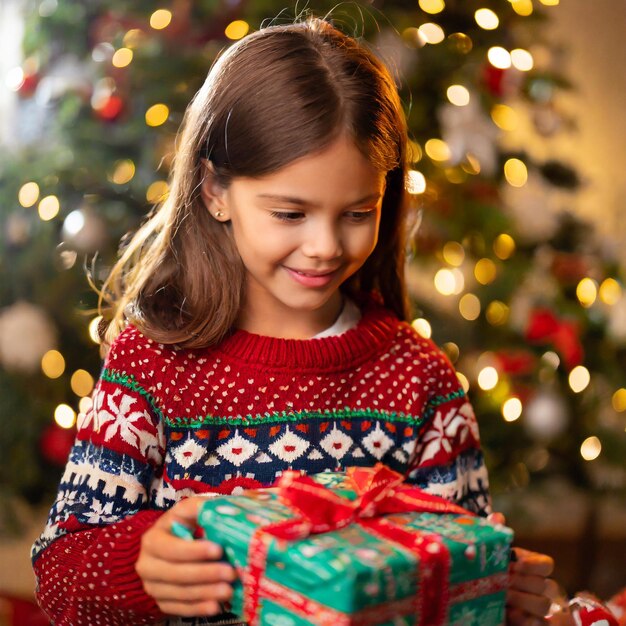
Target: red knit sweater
[(167, 423)]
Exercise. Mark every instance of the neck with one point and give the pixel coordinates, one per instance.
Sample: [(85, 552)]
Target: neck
[(285, 323)]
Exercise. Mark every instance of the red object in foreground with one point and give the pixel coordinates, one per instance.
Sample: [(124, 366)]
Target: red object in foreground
[(16, 611)]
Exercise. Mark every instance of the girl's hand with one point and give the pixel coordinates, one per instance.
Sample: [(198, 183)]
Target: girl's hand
[(531, 592), (185, 577)]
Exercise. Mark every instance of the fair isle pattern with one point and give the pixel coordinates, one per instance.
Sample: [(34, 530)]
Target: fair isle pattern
[(169, 423)]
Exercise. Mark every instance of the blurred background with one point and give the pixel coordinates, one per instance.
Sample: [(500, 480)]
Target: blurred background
[(517, 269)]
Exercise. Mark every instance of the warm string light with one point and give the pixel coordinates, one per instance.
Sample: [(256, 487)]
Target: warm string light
[(157, 114), (458, 95), (453, 253), (515, 172), (591, 448), (504, 117), (123, 172), (497, 313), (28, 194), (610, 291), (512, 409), (48, 208), (82, 383), (432, 6), (504, 246), (437, 150), (449, 281), (160, 19), (587, 292), (65, 416), (618, 400), (122, 57), (431, 33), (579, 378), (415, 182), (237, 30), (499, 57), (485, 271), (53, 364), (94, 335), (469, 307), (157, 191), (423, 327), (486, 19), (488, 378)]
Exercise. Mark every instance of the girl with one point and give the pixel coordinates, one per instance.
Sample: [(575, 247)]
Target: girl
[(259, 325)]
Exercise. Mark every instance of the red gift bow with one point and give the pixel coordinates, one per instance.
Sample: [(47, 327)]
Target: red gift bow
[(380, 491), (545, 327)]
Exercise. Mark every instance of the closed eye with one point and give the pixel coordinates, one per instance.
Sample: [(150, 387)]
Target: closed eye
[(287, 216), (360, 216)]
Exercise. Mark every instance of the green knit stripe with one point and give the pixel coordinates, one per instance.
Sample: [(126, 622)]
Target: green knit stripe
[(128, 381), (281, 417), (435, 401)]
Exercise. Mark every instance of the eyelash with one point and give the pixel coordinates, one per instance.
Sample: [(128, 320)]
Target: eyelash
[(294, 216)]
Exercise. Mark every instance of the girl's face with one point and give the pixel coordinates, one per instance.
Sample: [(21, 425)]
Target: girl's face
[(301, 232)]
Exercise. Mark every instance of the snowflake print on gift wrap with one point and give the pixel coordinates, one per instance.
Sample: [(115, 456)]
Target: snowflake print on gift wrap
[(237, 450), (336, 443), (467, 617), (289, 447)]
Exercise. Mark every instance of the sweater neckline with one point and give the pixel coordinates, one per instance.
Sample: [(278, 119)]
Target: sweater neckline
[(376, 327)]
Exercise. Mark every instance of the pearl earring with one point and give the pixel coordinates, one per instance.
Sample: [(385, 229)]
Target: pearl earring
[(219, 214)]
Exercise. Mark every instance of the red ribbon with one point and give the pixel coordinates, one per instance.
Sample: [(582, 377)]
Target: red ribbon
[(380, 492)]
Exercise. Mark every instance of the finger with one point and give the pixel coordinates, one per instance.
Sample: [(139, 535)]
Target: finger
[(496, 518), (517, 617), (532, 563), (534, 605), (191, 609), (163, 545), (186, 573), (530, 584), (164, 592), (186, 511)]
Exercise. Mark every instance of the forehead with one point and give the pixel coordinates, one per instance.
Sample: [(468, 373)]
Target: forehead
[(339, 171)]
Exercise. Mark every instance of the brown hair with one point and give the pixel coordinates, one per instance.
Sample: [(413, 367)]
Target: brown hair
[(278, 94)]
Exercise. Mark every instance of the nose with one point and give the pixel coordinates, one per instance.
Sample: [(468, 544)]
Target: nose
[(322, 241)]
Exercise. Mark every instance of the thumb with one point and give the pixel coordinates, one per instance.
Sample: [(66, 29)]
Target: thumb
[(186, 511), (496, 518)]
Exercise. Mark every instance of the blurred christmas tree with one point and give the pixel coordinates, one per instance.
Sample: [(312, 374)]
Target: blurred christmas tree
[(524, 299)]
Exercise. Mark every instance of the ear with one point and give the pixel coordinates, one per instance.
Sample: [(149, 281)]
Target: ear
[(213, 194)]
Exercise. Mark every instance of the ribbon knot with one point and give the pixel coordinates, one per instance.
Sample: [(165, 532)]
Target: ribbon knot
[(379, 489)]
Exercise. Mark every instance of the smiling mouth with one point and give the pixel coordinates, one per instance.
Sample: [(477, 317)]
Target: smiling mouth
[(313, 274)]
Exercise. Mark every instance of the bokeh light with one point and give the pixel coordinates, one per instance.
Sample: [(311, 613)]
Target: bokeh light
[(64, 416), (157, 114), (423, 327), (515, 172), (237, 30), (53, 364), (486, 19), (512, 409), (579, 378), (28, 194), (590, 448), (160, 19)]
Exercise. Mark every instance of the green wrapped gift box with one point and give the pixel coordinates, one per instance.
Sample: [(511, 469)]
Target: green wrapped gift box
[(359, 548)]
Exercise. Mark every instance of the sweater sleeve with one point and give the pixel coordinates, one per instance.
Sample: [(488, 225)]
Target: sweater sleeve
[(84, 561), (448, 460)]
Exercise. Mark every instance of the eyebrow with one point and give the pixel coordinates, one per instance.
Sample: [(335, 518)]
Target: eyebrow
[(305, 203)]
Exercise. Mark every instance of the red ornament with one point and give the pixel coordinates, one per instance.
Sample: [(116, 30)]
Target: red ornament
[(29, 84), (545, 327), (516, 362), (493, 79), (56, 442), (110, 109)]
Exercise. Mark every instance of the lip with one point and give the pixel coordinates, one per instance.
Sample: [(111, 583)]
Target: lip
[(311, 278)]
